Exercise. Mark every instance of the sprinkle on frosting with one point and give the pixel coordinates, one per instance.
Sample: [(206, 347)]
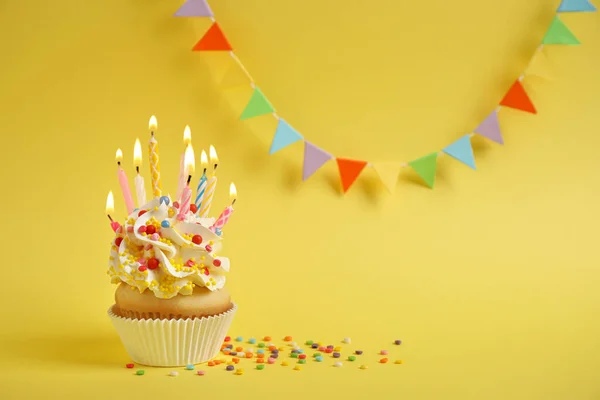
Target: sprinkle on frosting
[(153, 251)]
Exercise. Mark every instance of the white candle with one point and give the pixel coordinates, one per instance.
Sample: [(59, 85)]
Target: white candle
[(140, 190), (186, 195), (187, 139)]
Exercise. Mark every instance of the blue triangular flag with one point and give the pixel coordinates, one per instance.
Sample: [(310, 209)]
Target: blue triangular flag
[(576, 6), (462, 151), (284, 136)]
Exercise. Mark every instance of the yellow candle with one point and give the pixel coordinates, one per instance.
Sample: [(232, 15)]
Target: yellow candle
[(154, 165)]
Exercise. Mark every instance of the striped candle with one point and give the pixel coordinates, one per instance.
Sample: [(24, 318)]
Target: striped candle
[(200, 190), (208, 196), (184, 207)]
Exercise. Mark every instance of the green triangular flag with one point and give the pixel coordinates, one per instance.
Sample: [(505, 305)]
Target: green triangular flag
[(558, 33), (257, 105), (425, 167)]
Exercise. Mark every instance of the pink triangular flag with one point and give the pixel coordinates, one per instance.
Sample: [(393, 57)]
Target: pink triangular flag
[(314, 158), (490, 128), (194, 8)]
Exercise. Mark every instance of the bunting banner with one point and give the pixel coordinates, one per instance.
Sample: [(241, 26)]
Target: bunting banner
[(516, 97)]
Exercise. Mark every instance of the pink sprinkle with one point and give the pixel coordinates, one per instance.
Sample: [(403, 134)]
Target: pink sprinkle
[(142, 261), (130, 229), (322, 348), (190, 263), (155, 236), (271, 360), (148, 247), (384, 352), (201, 373)]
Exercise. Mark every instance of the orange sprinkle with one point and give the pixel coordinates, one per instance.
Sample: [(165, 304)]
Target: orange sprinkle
[(260, 361), (272, 347), (383, 360), (239, 349), (248, 355), (235, 360), (267, 338), (217, 362), (260, 355), (227, 352), (287, 338), (211, 364)]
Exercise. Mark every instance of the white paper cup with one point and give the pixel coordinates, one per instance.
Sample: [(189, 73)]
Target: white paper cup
[(173, 342)]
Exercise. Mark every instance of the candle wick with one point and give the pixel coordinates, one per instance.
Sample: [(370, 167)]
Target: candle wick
[(215, 168), (233, 202), (189, 179), (137, 169), (109, 217), (119, 163), (204, 173)]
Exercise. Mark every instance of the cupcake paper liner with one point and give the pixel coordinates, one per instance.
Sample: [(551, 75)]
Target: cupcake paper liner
[(173, 342)]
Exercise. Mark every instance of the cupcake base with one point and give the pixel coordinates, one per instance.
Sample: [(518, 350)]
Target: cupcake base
[(172, 342)]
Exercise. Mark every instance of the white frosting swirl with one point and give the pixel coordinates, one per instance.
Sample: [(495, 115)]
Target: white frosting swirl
[(167, 262)]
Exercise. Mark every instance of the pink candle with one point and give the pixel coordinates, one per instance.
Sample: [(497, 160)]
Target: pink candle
[(124, 184), (224, 217)]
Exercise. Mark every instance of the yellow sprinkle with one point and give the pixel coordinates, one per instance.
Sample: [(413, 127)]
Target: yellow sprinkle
[(285, 364), (363, 367), (398, 362), (297, 368), (337, 348)]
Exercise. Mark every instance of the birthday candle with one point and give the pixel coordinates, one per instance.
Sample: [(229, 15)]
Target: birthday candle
[(187, 139), (186, 193), (224, 217), (110, 208), (210, 186), (124, 183), (140, 190), (153, 151), (202, 182)]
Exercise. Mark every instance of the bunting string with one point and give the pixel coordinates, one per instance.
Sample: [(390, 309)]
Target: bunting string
[(214, 40)]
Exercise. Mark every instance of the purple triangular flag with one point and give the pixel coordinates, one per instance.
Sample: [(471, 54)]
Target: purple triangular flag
[(314, 158), (194, 8), (490, 128)]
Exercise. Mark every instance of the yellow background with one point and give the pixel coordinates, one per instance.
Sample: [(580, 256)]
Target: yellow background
[(491, 279)]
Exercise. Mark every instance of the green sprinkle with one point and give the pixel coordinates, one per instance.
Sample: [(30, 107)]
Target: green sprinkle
[(351, 358), (309, 342), (316, 354), (294, 355), (139, 372), (302, 361), (260, 366), (261, 345)]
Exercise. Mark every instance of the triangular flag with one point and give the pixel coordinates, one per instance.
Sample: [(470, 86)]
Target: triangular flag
[(462, 151), (539, 66), (194, 8), (349, 171), (388, 173), (517, 98), (234, 76), (576, 6), (558, 33), (213, 39), (425, 167), (284, 136), (490, 128), (314, 158), (257, 105)]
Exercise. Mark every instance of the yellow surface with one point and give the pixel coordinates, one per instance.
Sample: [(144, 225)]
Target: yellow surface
[(491, 279)]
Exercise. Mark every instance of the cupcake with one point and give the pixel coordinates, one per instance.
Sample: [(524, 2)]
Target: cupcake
[(171, 307)]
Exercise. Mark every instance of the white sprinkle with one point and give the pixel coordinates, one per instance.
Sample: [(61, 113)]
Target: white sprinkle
[(250, 350), (347, 340), (338, 364), (173, 373)]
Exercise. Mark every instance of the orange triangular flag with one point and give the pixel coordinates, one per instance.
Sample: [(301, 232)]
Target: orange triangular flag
[(213, 39), (349, 171), (517, 98)]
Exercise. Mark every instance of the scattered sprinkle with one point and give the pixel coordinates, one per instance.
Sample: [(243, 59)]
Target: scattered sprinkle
[(383, 360), (227, 339), (363, 367), (317, 354), (260, 366), (267, 338), (314, 346), (337, 348), (397, 342), (294, 355), (271, 360), (309, 343), (260, 351), (239, 371), (319, 358), (173, 373), (230, 368), (139, 372), (302, 361), (201, 373), (129, 365), (284, 364), (383, 352), (336, 355), (347, 340), (252, 341), (287, 338), (302, 356), (239, 339), (337, 364), (211, 364), (261, 345), (398, 362), (358, 352), (297, 368), (189, 367), (351, 358), (328, 350)]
